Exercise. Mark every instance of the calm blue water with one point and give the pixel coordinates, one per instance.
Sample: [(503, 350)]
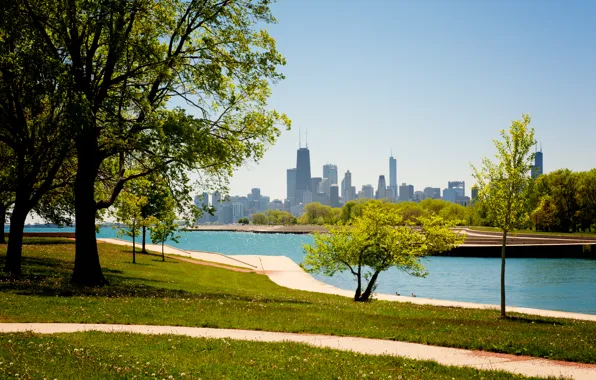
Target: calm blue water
[(556, 284)]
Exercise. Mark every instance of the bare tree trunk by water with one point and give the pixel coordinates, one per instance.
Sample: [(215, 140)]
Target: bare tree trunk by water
[(366, 295), (143, 250), (503, 312), (163, 256), (133, 242)]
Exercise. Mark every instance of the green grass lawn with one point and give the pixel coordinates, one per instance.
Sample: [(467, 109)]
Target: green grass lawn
[(186, 294), (533, 232), (95, 355)]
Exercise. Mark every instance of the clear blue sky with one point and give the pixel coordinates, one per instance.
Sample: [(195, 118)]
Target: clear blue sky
[(433, 80)]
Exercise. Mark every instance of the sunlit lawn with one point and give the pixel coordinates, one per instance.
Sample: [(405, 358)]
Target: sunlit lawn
[(95, 355), (186, 294)]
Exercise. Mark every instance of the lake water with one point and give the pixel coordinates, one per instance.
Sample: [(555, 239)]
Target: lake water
[(556, 284)]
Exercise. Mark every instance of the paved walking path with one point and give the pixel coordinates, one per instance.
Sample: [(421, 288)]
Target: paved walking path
[(523, 365), (285, 272)]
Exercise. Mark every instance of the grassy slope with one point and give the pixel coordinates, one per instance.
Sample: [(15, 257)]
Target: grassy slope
[(179, 293), (95, 355)]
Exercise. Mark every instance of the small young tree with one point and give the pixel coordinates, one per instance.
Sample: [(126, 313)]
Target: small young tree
[(375, 241), (164, 230), (503, 185), (129, 212)]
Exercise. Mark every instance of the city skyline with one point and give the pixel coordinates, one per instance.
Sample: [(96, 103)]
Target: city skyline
[(435, 103)]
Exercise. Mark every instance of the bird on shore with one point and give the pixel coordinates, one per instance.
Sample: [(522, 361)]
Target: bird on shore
[(413, 295)]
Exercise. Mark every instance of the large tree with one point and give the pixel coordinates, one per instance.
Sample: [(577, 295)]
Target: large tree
[(33, 123), (129, 63), (503, 185), (376, 241)]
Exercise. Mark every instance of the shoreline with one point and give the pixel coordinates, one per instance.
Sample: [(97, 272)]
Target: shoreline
[(285, 272)]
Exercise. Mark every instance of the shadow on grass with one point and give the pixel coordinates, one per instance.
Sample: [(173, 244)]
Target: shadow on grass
[(536, 320), (50, 277)]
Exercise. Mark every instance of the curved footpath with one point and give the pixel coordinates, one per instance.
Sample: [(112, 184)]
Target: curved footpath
[(285, 272), (523, 365)]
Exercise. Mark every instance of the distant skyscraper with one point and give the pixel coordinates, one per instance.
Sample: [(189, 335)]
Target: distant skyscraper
[(346, 191), (459, 186), (315, 182), (474, 192), (334, 196), (330, 171), (432, 193), (393, 176), (381, 188), (303, 176), (538, 167), (202, 203), (291, 186), (406, 193), (368, 191)]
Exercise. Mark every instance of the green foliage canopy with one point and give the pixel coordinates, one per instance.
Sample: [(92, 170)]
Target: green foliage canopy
[(374, 242)]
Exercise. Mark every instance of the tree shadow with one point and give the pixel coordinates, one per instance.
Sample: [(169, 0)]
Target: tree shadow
[(537, 320), (50, 277)]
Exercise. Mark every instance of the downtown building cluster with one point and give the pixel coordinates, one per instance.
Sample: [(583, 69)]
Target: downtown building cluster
[(303, 189)]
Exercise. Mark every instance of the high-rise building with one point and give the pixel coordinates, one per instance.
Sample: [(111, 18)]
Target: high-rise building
[(381, 188), (237, 211), (346, 190), (432, 193), (315, 183), (393, 177), (202, 203), (303, 181), (264, 203), (419, 196), (291, 185), (458, 186), (474, 192), (406, 193), (538, 167), (334, 196), (330, 171), (368, 192), (450, 195)]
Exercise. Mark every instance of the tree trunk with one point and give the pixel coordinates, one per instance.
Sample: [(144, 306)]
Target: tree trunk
[(87, 269), (14, 251), (163, 256), (366, 295), (503, 313), (144, 233), (134, 261), (359, 287), (2, 223)]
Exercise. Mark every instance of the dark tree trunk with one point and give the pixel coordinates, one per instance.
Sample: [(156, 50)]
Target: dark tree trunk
[(366, 295), (2, 223), (14, 251), (134, 252), (144, 234), (87, 270), (503, 313), (163, 256), (359, 287)]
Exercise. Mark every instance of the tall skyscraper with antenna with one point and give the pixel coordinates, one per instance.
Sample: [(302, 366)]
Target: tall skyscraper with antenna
[(392, 176), (303, 176), (538, 167)]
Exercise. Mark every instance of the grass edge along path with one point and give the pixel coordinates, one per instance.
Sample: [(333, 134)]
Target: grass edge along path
[(178, 293), (320, 356)]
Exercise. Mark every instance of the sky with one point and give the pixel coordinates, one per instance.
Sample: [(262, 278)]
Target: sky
[(431, 81)]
